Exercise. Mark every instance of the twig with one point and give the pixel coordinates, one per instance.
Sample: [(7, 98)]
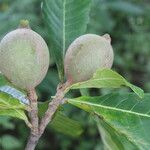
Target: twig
[(33, 114), (52, 108)]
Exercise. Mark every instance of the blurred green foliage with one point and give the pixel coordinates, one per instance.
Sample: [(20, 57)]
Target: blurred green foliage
[(128, 23)]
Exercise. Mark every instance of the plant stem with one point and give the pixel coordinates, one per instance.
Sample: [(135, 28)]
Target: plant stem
[(33, 114), (52, 108), (32, 142)]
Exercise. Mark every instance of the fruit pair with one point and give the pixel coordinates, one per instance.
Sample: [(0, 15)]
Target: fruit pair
[(24, 57)]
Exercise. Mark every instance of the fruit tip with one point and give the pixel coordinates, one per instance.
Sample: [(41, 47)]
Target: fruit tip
[(107, 37), (24, 24)]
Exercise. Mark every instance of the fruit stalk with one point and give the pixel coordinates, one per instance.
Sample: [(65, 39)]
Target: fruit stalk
[(33, 114)]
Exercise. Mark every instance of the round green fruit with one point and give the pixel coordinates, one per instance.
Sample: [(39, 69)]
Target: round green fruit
[(24, 58), (87, 54)]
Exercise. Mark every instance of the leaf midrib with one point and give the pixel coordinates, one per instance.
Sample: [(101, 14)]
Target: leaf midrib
[(64, 25), (91, 80), (112, 108)]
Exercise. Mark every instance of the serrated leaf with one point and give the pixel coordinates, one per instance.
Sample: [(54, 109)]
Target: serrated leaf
[(122, 112), (66, 20), (10, 106), (61, 123), (106, 78)]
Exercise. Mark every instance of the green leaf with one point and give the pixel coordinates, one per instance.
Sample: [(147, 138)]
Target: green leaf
[(5, 123), (42, 106), (9, 88), (85, 92), (65, 125), (106, 78), (3, 80), (20, 95), (10, 106), (125, 7), (61, 123), (124, 113), (112, 140), (11, 101), (66, 20), (9, 142)]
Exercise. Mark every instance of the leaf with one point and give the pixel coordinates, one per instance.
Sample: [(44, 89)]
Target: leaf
[(42, 106), (85, 92), (3, 80), (125, 7), (112, 140), (6, 123), (15, 93), (66, 20), (106, 78), (9, 142), (7, 87), (10, 106), (65, 125), (61, 123), (9, 102), (124, 113), (12, 101)]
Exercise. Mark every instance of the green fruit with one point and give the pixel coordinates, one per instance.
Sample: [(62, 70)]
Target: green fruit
[(24, 58), (87, 54)]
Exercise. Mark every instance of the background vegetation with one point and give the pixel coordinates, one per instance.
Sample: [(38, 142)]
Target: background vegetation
[(128, 23)]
